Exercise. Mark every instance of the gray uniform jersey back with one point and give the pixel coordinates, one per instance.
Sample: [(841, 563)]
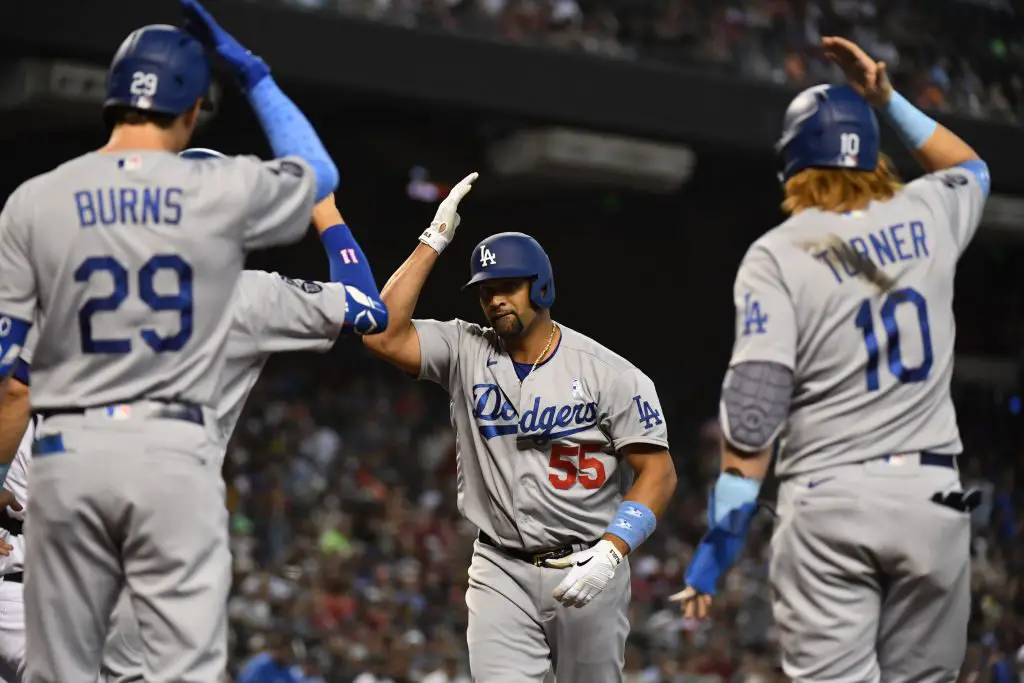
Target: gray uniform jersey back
[(538, 464), (270, 313), (860, 307), (132, 259)]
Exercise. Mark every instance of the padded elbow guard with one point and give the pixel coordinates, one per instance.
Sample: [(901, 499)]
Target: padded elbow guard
[(364, 314), (756, 396)]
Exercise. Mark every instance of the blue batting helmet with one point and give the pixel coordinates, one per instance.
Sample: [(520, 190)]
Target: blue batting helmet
[(159, 68), (828, 127), (514, 255), (201, 153)]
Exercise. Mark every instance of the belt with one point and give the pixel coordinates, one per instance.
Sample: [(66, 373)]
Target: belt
[(537, 559), (928, 459), (16, 577), (14, 526), (168, 410)]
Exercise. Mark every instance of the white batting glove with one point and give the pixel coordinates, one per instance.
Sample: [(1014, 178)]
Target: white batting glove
[(440, 233), (591, 570)]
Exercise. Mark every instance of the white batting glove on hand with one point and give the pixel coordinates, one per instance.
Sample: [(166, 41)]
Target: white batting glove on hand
[(441, 231), (591, 570)]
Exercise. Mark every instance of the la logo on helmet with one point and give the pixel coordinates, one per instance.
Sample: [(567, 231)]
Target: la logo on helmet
[(487, 257)]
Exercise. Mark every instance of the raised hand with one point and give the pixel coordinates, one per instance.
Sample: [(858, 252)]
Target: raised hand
[(441, 230), (249, 68), (865, 75)]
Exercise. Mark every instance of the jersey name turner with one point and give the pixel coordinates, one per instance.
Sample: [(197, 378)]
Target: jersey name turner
[(860, 307)]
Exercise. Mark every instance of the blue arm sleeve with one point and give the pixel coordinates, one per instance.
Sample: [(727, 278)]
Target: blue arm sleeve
[(365, 313), (348, 263), (290, 133), (13, 332), (979, 169), (913, 125), (731, 509)]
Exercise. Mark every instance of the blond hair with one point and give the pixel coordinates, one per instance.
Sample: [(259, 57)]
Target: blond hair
[(840, 189)]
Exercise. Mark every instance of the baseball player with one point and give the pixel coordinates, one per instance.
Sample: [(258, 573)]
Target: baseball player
[(12, 603), (12, 562), (551, 427), (269, 313), (844, 350), (127, 258)]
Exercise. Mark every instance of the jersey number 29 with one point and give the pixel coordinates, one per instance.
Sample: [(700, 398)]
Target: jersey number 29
[(865, 321), (180, 302)]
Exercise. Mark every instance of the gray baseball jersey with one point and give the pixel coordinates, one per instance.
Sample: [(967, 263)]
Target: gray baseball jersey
[(860, 307), (133, 259), (537, 461), (269, 313)]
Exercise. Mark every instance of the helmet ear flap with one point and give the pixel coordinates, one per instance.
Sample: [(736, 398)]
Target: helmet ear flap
[(514, 255), (542, 292)]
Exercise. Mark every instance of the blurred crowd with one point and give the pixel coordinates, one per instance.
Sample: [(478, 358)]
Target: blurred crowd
[(948, 55), (351, 559)]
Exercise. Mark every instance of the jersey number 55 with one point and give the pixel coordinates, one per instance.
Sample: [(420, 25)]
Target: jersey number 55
[(575, 464)]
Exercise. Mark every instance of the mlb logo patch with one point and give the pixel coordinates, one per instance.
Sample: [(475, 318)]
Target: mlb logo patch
[(132, 163), (121, 411), (575, 388)]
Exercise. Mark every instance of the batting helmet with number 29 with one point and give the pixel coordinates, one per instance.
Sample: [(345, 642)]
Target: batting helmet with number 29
[(159, 68), (509, 255)]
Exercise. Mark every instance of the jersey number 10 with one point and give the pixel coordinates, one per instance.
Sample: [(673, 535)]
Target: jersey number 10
[(865, 321), (180, 302)]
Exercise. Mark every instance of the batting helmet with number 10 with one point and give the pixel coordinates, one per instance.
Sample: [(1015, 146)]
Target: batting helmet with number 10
[(828, 126)]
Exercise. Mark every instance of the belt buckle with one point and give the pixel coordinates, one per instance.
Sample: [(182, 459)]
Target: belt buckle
[(540, 558)]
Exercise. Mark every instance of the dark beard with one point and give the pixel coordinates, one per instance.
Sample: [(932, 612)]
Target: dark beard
[(508, 325)]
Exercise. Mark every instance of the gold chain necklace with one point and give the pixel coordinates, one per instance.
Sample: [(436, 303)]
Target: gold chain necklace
[(551, 338)]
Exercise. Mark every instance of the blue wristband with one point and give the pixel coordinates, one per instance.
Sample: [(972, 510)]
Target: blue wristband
[(633, 523), (912, 125), (291, 134)]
